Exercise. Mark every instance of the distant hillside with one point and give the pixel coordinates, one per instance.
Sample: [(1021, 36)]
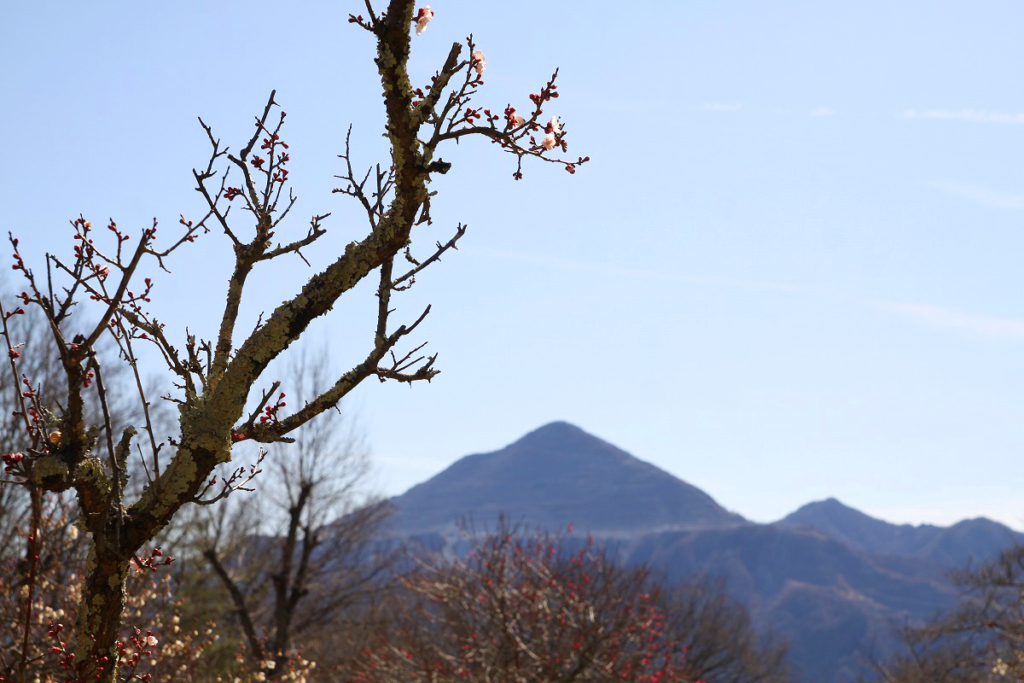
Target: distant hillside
[(554, 476), (835, 604), (954, 546), (830, 578)]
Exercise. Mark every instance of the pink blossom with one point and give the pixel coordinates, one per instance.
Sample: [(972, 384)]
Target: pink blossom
[(517, 120), (479, 62), (423, 18), (556, 127), (550, 142), (151, 641)]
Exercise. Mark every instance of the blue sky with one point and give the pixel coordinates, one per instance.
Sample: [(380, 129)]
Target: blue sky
[(791, 271)]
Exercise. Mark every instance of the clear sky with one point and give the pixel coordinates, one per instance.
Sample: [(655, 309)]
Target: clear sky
[(792, 271)]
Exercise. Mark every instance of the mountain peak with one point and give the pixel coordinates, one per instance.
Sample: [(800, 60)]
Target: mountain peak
[(555, 475), (554, 431), (830, 507), (834, 517)]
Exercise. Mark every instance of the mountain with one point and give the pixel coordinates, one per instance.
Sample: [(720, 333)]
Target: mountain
[(836, 605), (835, 581), (555, 476), (955, 546)]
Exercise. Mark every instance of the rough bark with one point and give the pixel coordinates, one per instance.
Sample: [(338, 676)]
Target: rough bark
[(99, 615)]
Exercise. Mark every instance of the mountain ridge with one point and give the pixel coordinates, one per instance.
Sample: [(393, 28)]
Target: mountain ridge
[(556, 475), (953, 545), (831, 578)]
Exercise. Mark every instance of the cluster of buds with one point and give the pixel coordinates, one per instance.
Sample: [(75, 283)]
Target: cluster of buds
[(82, 228), (418, 92), (67, 658), (548, 92), (10, 314), (272, 166), (472, 115), (121, 236), (34, 418), (274, 139), (138, 646), (12, 460), (270, 412), (190, 236), (19, 264), (85, 251), (132, 300), (153, 562)]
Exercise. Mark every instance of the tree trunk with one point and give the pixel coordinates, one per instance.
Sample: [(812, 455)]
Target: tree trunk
[(99, 615)]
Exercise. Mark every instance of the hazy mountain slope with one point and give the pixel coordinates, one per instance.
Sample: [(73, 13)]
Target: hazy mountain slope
[(833, 633), (953, 546), (759, 561), (830, 578), (835, 605), (554, 476)]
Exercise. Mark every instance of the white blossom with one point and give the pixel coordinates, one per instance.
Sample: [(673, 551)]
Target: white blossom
[(479, 62), (423, 18), (550, 142)]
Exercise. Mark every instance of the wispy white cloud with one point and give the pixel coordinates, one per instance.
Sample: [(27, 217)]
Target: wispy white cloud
[(823, 111), (720, 106), (971, 115), (1007, 328), (981, 195)]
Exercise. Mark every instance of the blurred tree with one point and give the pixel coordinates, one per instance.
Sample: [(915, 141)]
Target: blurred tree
[(981, 640), (716, 633), (548, 609), (305, 555)]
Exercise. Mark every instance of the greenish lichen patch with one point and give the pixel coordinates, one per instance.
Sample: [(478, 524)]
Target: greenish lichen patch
[(89, 473), (175, 484), (50, 473), (118, 578)]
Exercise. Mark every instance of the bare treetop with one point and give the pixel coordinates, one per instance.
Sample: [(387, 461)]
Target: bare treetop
[(216, 378)]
